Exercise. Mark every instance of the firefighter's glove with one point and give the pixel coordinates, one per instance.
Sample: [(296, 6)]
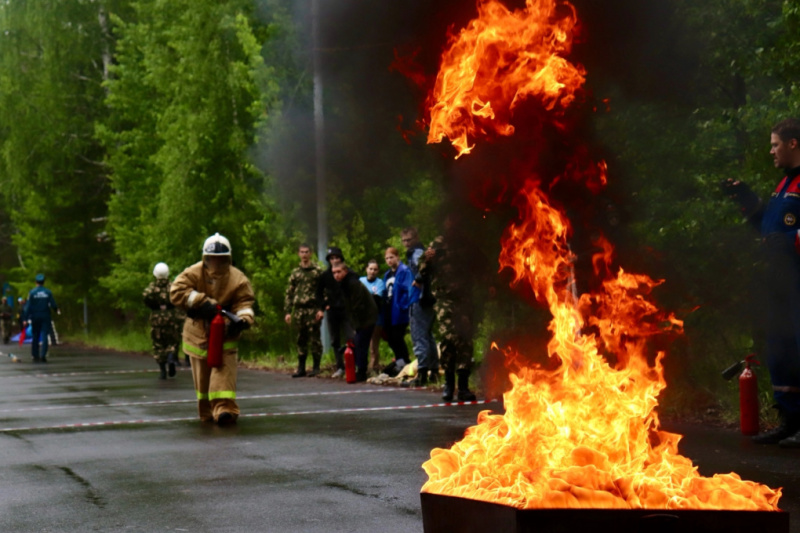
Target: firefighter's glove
[(742, 194), (205, 311), (235, 328)]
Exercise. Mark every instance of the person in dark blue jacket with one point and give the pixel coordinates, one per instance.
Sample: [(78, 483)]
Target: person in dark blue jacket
[(421, 313), (37, 312), (398, 280), (779, 221)]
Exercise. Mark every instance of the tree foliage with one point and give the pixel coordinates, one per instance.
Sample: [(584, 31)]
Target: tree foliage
[(186, 94), (51, 165)]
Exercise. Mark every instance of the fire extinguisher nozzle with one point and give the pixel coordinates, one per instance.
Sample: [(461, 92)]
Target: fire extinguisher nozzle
[(733, 370)]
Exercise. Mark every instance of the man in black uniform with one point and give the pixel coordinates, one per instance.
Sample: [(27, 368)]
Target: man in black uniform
[(329, 294)]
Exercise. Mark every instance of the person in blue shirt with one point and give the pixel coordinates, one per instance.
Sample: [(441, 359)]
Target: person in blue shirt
[(378, 289), (37, 312), (398, 281), (779, 223)]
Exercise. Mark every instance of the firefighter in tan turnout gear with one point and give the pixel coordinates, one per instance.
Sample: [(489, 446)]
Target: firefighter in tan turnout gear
[(199, 289)]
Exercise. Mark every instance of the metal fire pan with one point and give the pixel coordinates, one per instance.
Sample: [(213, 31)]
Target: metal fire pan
[(449, 514)]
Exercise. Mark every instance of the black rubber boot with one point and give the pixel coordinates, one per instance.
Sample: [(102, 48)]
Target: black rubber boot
[(789, 426), (171, 367), (464, 394), (317, 359), (301, 367), (163, 367), (449, 385), (422, 377), (226, 419), (790, 442)]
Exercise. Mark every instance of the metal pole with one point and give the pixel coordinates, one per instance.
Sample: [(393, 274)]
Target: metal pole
[(319, 152), (85, 315)]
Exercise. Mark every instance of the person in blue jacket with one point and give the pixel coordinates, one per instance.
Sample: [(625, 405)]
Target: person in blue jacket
[(398, 280), (37, 312), (779, 222)]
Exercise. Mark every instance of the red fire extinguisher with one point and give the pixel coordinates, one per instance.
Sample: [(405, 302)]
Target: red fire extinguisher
[(216, 337), (349, 363), (748, 397)]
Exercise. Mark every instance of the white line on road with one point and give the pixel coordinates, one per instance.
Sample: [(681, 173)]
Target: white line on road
[(81, 425), (92, 373)]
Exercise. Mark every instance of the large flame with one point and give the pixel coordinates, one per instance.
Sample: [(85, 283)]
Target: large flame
[(499, 60), (584, 434)]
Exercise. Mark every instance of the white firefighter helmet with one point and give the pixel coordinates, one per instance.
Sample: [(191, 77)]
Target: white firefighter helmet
[(217, 245), (161, 271)]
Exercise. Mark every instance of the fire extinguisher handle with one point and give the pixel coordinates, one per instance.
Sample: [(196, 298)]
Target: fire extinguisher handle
[(751, 360)]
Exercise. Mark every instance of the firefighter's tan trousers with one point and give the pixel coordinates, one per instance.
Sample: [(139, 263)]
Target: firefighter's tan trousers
[(216, 387)]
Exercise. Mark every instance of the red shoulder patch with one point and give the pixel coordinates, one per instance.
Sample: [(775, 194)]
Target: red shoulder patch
[(794, 186)]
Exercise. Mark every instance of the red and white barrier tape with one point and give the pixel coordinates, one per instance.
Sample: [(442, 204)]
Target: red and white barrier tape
[(192, 400), (109, 423)]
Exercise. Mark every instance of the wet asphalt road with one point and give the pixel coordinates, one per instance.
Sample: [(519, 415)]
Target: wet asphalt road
[(93, 441)]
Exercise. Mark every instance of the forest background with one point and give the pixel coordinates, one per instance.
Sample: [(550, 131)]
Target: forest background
[(130, 130)]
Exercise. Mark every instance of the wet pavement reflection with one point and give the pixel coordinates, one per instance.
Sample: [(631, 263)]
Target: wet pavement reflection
[(94, 441)]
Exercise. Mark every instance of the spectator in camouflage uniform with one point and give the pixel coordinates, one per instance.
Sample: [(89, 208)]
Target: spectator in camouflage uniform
[(164, 324), (301, 305), (447, 268), (6, 316)]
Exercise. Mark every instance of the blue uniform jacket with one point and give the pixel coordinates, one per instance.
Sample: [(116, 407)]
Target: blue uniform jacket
[(401, 294), (40, 301), (782, 214)]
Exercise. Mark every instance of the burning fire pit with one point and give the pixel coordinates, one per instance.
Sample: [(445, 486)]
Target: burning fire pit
[(448, 514), (579, 445)]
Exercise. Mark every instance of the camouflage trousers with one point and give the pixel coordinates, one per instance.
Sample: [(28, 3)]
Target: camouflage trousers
[(165, 342), (456, 329), (308, 333), (5, 325)]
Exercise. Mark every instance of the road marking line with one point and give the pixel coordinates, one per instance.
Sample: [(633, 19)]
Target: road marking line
[(94, 373), (81, 425), (194, 400)]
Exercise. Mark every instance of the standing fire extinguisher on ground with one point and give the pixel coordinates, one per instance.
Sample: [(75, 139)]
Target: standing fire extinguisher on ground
[(350, 363), (748, 393)]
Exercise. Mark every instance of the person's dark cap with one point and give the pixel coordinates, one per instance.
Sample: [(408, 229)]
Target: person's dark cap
[(39, 278), (333, 251)]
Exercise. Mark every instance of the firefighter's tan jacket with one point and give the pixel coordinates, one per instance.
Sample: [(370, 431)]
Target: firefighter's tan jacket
[(229, 288)]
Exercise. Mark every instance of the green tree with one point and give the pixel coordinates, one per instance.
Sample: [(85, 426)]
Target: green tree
[(52, 65), (186, 95)]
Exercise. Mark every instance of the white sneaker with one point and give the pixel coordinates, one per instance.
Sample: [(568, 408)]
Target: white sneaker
[(339, 373)]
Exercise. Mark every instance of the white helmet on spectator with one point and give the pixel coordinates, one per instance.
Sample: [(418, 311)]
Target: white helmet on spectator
[(161, 271), (217, 245)]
